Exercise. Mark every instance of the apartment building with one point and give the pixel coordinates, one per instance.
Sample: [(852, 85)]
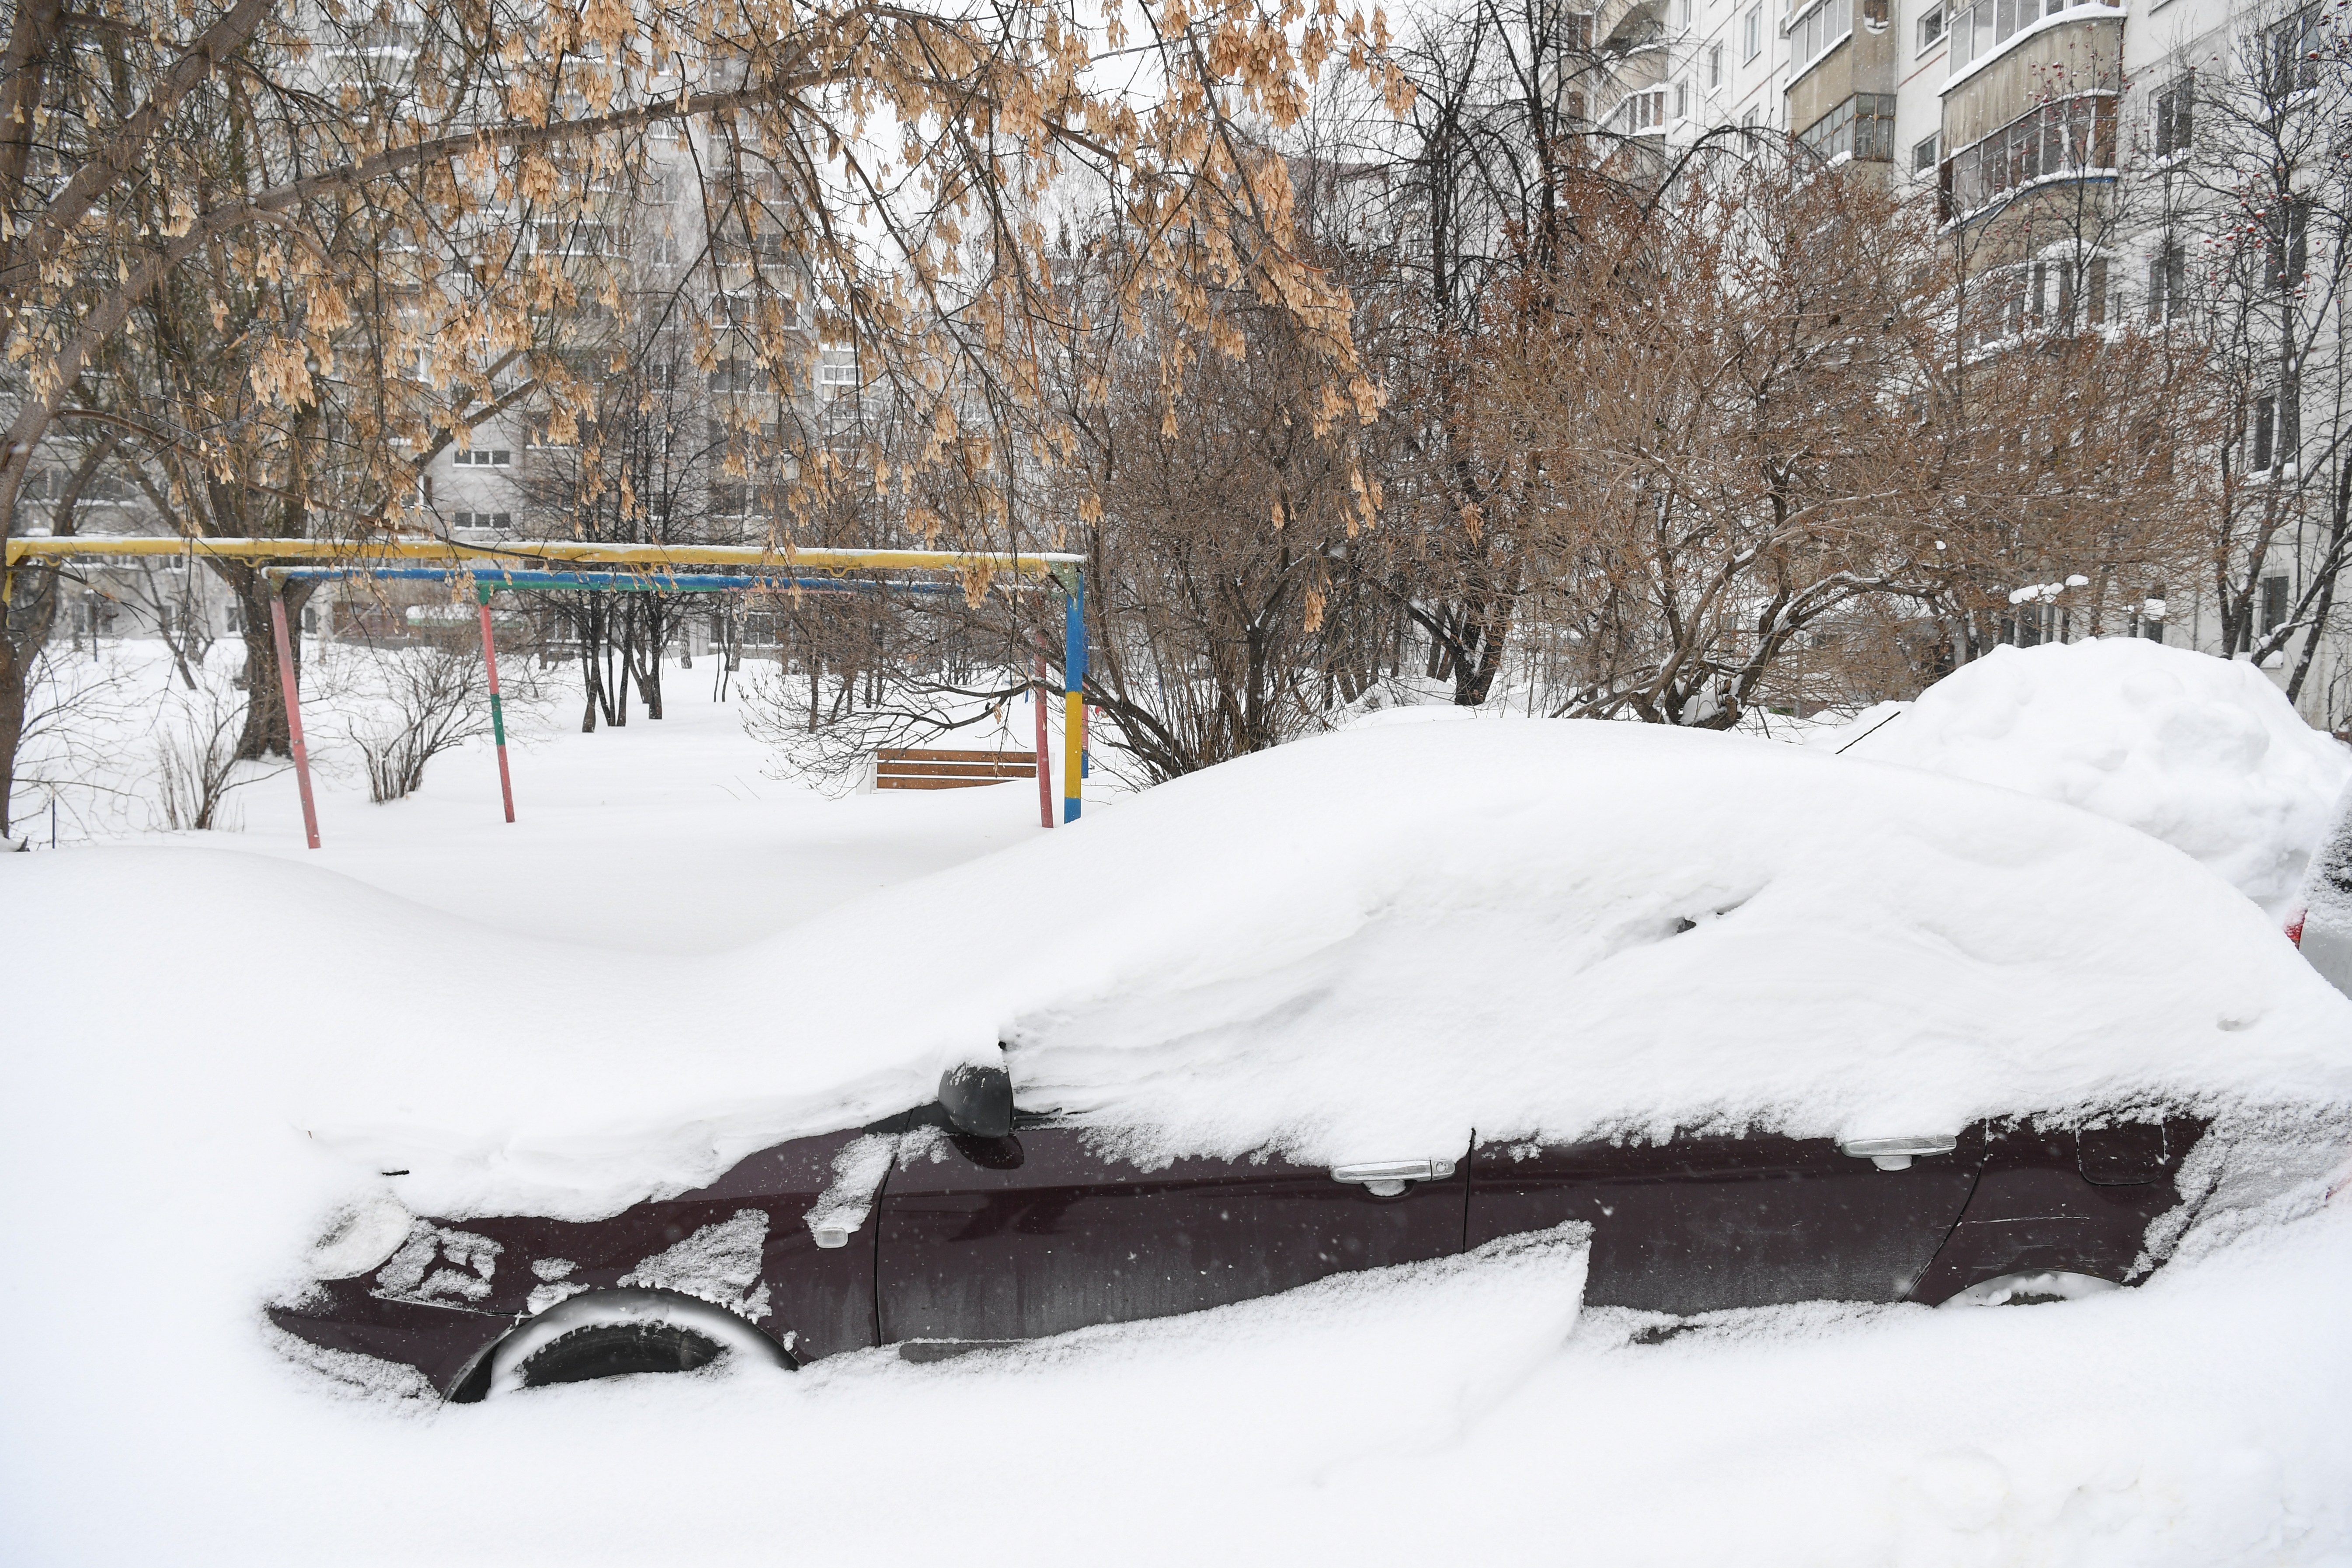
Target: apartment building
[(704, 259), (2053, 136)]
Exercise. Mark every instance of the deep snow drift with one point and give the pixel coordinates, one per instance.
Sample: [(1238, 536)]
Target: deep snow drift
[(1366, 941), (2202, 753), (156, 1148)]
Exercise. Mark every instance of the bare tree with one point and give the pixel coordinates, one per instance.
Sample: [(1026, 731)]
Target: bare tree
[(2259, 215), (264, 139)]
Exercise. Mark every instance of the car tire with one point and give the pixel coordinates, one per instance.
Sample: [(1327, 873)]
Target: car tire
[(2032, 1288), (622, 1334)]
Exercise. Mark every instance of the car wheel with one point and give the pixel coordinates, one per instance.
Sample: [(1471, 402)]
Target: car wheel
[(620, 1333), (2032, 1289)]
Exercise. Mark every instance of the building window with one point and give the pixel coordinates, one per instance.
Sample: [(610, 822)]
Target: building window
[(2278, 434), (1931, 28), (2174, 112), (1682, 100), (2168, 282), (1752, 39), (501, 521), (1714, 66), (2275, 612), (2291, 54), (739, 376), (1644, 111), (1923, 154), (1863, 127), (1977, 30), (484, 458), (2286, 249), (1683, 15), (560, 238), (1818, 30), (2067, 137)]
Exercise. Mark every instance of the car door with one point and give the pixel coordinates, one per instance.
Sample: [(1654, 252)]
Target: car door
[(1050, 1229), (1697, 1224), (2052, 1198)]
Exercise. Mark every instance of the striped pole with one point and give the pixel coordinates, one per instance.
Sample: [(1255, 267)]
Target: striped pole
[(293, 717), (497, 708), (1044, 750), (1074, 702)]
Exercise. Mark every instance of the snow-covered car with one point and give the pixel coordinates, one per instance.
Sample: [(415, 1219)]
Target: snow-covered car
[(1775, 1026), (2321, 925)]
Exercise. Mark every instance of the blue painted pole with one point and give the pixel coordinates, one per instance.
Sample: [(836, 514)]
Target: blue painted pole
[(1073, 698)]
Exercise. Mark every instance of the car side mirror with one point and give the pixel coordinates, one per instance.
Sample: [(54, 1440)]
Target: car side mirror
[(978, 1099)]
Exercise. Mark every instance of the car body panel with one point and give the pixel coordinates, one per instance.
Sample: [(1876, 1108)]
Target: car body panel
[(2053, 1199), (963, 1240), (1697, 1224), (740, 1242), (1046, 1231)]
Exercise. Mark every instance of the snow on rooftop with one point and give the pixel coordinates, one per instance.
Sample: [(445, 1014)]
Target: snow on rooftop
[(2205, 753)]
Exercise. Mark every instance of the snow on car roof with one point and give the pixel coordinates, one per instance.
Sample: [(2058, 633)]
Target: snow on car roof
[(1363, 946), (1367, 945)]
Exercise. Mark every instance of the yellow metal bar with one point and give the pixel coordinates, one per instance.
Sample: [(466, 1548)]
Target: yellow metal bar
[(649, 557), (1074, 742)]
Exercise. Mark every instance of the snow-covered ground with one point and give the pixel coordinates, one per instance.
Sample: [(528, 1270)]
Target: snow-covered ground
[(656, 838), (180, 1008)]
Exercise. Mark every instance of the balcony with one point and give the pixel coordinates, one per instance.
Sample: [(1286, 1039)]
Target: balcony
[(1985, 29)]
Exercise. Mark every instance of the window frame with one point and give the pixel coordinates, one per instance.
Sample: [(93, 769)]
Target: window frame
[(1925, 40)]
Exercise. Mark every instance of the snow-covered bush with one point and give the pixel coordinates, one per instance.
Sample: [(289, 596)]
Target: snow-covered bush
[(425, 702), (195, 756)]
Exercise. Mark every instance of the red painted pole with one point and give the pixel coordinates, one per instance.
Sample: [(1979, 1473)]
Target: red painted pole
[(293, 715), (497, 712), (1045, 752)]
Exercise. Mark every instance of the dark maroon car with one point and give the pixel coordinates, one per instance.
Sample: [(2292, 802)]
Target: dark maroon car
[(965, 1223)]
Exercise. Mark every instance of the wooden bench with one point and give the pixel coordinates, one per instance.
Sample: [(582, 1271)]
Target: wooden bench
[(898, 767)]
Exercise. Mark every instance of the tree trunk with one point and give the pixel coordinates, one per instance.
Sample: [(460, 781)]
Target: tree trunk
[(265, 733), (12, 722)]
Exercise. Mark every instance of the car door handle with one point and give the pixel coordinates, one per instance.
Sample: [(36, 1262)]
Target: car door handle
[(1896, 1153), (1387, 1178)]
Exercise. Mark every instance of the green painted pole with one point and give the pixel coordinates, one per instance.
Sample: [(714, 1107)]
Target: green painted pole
[(497, 708)]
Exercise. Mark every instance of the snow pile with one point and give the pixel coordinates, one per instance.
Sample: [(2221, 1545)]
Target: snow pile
[(2204, 753), (181, 1022)]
